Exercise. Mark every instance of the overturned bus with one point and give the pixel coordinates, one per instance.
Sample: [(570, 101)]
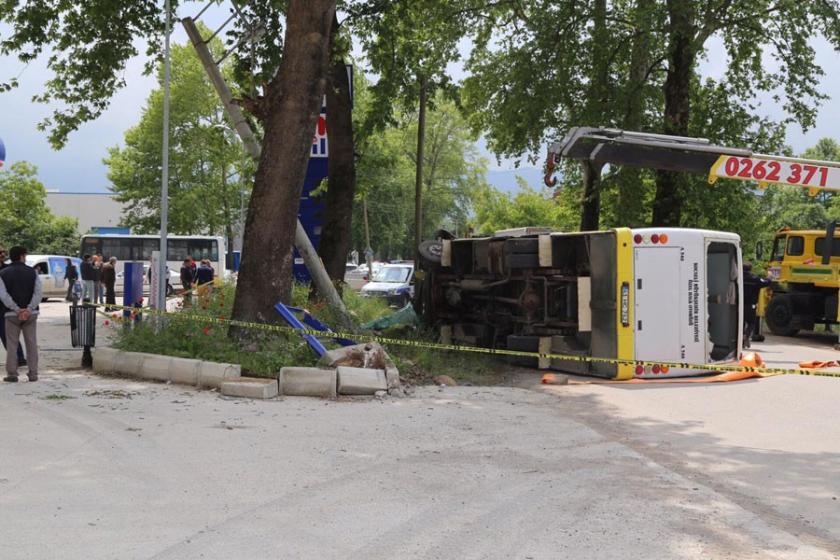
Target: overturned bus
[(641, 295)]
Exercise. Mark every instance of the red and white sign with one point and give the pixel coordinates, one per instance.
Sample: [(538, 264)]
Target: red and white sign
[(765, 170), (320, 146)]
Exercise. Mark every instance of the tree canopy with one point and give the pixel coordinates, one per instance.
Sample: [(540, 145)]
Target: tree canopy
[(210, 175), (453, 174), (24, 216)]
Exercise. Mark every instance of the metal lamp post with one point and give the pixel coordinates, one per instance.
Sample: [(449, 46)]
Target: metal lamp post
[(164, 191)]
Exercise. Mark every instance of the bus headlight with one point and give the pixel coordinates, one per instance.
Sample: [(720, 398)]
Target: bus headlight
[(625, 304)]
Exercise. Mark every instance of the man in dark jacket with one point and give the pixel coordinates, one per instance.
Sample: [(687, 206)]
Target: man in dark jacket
[(71, 275), (88, 278), (752, 289), (20, 292), (109, 280), (20, 356), (187, 278)]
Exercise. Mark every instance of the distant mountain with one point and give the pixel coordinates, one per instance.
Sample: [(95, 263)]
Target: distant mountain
[(505, 179)]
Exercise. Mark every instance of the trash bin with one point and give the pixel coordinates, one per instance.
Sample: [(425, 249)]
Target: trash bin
[(83, 330)]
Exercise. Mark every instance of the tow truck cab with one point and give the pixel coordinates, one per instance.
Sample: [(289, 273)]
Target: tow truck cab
[(805, 270)]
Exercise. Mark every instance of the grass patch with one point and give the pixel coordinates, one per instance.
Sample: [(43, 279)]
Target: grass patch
[(188, 338)]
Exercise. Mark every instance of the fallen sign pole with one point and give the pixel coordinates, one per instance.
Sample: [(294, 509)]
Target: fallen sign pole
[(302, 242)]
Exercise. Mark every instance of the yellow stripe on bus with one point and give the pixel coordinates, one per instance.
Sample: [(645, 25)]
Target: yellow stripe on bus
[(625, 346)]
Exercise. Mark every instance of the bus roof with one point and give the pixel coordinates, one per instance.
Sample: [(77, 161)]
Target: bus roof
[(150, 236)]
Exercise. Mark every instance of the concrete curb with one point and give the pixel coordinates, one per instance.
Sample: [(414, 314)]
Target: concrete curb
[(360, 381), (308, 382), (251, 388), (155, 367)]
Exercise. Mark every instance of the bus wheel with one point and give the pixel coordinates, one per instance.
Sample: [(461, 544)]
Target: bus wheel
[(779, 316)]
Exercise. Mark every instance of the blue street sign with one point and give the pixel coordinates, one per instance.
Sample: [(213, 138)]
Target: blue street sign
[(2, 152)]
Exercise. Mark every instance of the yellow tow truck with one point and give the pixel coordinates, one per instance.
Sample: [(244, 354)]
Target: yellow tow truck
[(805, 268)]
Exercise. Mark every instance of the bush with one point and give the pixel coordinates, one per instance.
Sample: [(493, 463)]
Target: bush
[(185, 334)]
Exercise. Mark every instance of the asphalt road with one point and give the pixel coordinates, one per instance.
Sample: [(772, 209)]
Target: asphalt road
[(109, 468)]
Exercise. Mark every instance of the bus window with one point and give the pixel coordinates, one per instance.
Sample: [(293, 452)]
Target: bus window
[(91, 246), (143, 248), (722, 274), (177, 250), (819, 244), (796, 246), (203, 249), (117, 247)]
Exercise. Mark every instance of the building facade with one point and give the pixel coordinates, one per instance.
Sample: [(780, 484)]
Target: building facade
[(92, 210)]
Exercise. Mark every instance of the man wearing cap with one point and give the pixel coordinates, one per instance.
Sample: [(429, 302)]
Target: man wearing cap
[(20, 293)]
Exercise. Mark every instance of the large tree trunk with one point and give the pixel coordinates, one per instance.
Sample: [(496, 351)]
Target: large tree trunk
[(336, 232), (667, 205), (597, 111), (630, 207), (591, 208), (293, 103)]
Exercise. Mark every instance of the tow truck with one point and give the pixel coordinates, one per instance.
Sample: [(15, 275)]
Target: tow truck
[(804, 265)]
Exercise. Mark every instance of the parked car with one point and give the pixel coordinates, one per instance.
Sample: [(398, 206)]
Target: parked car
[(393, 282), (357, 276), (174, 280), (51, 269)]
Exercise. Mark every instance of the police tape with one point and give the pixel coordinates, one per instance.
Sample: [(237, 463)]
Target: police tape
[(761, 371)]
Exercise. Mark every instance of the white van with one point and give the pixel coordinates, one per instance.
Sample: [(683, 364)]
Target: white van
[(51, 269)]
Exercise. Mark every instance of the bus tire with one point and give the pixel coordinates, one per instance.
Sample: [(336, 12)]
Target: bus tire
[(779, 316)]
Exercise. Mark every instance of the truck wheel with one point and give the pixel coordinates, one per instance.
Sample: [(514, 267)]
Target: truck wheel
[(779, 316), (431, 251)]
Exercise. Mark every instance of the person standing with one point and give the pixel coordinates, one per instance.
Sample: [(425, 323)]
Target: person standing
[(97, 279), (71, 275), (752, 290), (88, 277), (21, 358), (187, 279), (109, 281), (204, 279), (20, 293)]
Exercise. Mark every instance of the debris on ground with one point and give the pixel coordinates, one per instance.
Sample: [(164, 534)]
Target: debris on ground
[(402, 317), (56, 397), (111, 393), (445, 380)]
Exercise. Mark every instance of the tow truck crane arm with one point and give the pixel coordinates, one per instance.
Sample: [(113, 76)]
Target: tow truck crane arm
[(603, 146)]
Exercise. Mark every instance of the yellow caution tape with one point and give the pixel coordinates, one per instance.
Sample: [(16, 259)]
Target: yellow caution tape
[(759, 370)]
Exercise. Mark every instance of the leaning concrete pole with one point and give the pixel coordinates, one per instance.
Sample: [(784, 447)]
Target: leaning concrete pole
[(302, 242)]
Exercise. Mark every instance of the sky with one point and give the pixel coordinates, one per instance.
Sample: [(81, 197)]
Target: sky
[(78, 167)]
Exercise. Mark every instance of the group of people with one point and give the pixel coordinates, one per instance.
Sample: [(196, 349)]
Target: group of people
[(99, 279), (20, 295), (195, 276)]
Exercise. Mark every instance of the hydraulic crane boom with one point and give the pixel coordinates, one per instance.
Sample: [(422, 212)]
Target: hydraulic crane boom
[(602, 146)]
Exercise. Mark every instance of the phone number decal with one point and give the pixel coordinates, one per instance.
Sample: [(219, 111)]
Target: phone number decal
[(776, 171)]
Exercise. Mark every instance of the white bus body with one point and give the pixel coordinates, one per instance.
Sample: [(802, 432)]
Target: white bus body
[(139, 248), (687, 297)]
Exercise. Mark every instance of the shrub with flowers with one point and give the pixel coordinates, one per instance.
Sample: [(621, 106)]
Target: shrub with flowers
[(199, 330)]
